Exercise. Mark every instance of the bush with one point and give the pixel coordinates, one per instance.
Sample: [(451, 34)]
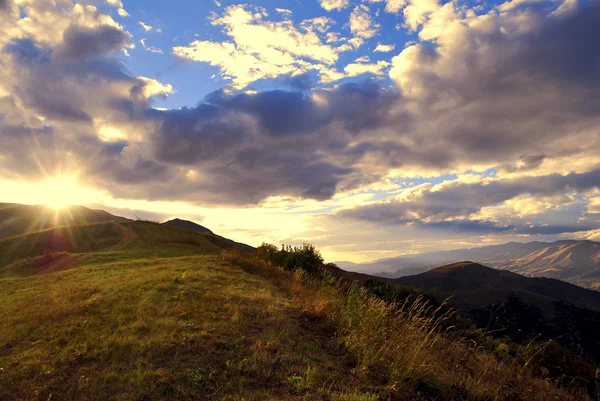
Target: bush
[(305, 257)]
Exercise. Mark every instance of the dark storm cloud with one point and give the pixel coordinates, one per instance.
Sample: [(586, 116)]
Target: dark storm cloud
[(255, 146), (280, 113), (5, 5), (82, 43), (525, 164), (575, 38), (26, 51)]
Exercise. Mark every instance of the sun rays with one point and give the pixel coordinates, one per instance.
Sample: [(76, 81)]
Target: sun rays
[(57, 192)]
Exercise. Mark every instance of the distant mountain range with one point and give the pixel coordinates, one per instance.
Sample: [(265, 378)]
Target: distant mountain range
[(577, 262)]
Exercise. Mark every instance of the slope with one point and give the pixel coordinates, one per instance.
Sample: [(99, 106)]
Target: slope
[(229, 327), (216, 239), (187, 225), (516, 306), (66, 247), (190, 328)]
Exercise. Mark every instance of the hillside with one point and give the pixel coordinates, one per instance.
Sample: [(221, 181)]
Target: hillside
[(18, 219), (142, 311), (516, 306), (187, 225), (577, 262), (159, 329), (214, 238), (66, 247)]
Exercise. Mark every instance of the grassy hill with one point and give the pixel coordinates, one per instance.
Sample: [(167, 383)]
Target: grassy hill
[(143, 311), (216, 239), (187, 225), (18, 219), (64, 247)]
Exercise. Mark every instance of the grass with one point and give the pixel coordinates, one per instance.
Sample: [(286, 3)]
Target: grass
[(140, 313), (180, 328), (400, 351), (33, 253)]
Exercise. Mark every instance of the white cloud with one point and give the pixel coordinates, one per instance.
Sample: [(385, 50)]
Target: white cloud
[(284, 11), (146, 27), (150, 48), (384, 48), (119, 4), (394, 6), (330, 5), (263, 49), (318, 24), (152, 87), (361, 22), (355, 69)]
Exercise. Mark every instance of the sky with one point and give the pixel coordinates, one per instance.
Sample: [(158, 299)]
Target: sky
[(369, 128)]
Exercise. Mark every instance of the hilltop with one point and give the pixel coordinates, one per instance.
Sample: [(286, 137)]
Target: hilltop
[(18, 219), (187, 225)]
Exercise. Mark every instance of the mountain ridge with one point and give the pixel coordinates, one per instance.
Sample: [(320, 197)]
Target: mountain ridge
[(574, 261)]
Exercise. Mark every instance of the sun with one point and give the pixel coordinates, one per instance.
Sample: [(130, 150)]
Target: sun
[(61, 192)]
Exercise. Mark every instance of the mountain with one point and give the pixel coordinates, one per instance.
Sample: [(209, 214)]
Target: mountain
[(521, 308), (216, 239), (458, 279), (187, 225), (577, 262), (18, 219)]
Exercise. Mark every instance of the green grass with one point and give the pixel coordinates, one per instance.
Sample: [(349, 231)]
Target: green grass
[(178, 328)]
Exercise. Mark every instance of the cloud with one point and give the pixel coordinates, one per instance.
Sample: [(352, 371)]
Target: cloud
[(242, 144), (355, 69), (330, 5), (361, 22), (5, 5), (248, 58), (150, 48), (459, 204), (119, 4), (145, 26), (84, 43), (284, 11), (384, 48)]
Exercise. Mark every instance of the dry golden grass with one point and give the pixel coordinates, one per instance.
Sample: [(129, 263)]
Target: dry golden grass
[(400, 352)]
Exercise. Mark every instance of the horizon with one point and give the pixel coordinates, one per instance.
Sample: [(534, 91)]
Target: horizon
[(65, 209), (370, 128)]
